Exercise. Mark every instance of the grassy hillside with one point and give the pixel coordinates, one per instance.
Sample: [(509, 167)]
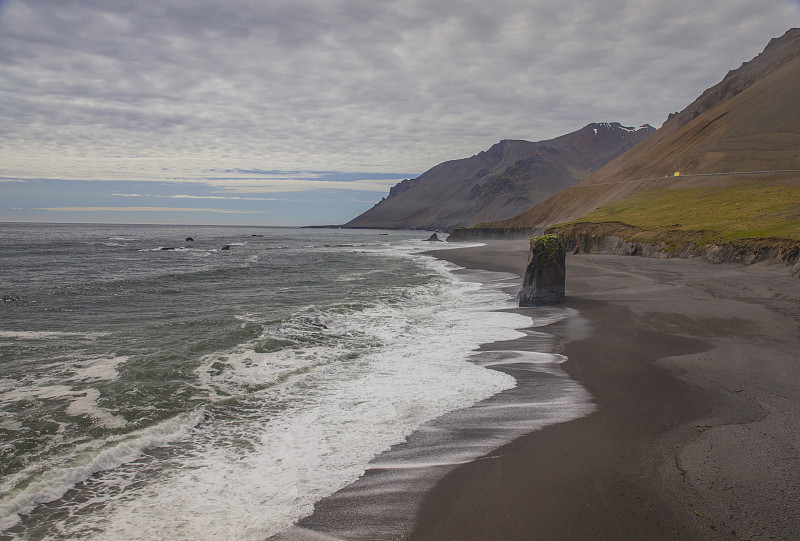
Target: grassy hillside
[(748, 122), (721, 213)]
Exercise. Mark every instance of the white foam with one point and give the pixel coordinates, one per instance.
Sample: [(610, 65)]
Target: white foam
[(251, 476), (246, 367), (51, 483), (87, 405), (101, 368), (45, 335), (82, 402), (303, 455), (38, 391), (308, 419), (524, 357)]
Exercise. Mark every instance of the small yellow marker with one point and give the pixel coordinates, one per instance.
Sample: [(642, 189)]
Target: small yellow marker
[(677, 174)]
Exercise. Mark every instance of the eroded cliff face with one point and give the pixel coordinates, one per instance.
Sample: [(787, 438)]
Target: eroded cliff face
[(492, 233), (622, 239)]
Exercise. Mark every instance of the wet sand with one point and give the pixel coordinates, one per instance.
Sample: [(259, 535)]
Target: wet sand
[(695, 372), (383, 503)]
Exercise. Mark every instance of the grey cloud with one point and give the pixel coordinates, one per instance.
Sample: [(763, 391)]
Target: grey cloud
[(400, 84)]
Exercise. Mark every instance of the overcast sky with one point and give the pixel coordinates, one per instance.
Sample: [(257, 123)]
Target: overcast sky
[(307, 111)]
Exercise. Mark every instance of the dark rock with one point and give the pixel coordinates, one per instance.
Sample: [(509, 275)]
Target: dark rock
[(471, 234), (189, 239), (544, 276), (433, 238), (226, 247), (616, 238)]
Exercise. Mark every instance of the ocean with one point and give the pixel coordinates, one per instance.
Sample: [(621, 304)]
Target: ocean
[(155, 387)]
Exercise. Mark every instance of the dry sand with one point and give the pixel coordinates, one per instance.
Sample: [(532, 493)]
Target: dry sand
[(695, 371)]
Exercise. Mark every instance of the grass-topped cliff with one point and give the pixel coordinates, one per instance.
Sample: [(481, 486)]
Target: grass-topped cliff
[(746, 223), (722, 214)]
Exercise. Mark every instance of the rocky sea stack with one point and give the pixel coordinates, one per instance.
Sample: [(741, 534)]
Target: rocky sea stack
[(434, 238), (544, 276)]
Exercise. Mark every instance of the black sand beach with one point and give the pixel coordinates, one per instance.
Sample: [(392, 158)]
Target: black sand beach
[(694, 372), (694, 369)]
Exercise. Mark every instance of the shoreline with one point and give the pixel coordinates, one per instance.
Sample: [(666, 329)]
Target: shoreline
[(690, 365), (384, 502), (693, 373)]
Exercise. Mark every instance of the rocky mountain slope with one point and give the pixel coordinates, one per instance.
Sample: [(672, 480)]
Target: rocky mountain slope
[(501, 182), (744, 130)]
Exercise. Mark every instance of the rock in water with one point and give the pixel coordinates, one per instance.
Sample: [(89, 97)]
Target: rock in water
[(433, 238), (544, 276)]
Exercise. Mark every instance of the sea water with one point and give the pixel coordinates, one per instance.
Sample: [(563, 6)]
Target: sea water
[(155, 387)]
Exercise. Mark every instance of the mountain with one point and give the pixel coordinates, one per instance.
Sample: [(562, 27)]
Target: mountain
[(741, 134), (499, 183)]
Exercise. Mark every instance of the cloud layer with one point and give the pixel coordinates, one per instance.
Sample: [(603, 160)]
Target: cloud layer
[(169, 90)]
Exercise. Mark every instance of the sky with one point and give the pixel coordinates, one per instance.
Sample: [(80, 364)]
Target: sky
[(306, 112)]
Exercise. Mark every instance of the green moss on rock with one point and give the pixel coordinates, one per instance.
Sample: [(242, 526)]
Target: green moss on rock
[(549, 248)]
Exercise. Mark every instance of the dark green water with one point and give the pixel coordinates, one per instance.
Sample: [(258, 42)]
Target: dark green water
[(158, 388)]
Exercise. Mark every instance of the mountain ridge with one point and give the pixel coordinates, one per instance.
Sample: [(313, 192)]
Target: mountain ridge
[(747, 122), (510, 176)]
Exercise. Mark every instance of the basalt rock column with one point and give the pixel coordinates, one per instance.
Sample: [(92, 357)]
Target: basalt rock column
[(544, 276)]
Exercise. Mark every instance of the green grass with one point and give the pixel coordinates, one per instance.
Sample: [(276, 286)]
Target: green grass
[(549, 248), (744, 211)]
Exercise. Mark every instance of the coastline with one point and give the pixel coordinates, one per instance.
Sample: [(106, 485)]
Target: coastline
[(384, 502), (694, 371)]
